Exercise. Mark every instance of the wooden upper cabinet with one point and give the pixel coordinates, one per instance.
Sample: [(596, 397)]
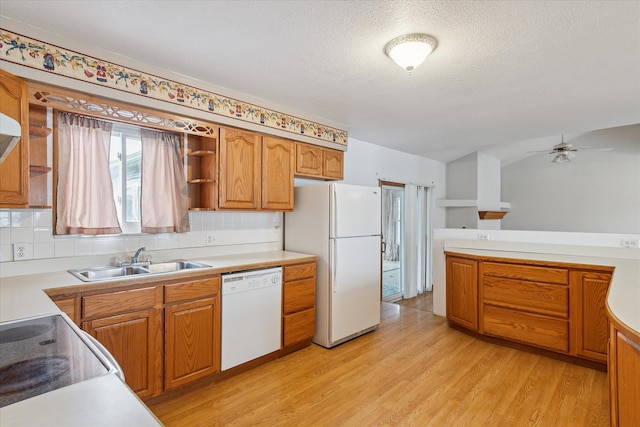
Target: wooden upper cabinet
[(278, 163), (14, 169), (240, 169), (308, 160), (317, 162), (333, 164)]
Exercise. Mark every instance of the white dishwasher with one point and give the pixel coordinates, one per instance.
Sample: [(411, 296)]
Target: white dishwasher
[(251, 315)]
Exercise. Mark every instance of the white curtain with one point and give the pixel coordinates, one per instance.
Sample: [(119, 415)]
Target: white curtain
[(417, 272), (389, 222), (84, 201), (163, 201)]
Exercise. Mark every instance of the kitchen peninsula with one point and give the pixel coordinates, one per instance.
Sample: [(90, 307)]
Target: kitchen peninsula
[(622, 301)]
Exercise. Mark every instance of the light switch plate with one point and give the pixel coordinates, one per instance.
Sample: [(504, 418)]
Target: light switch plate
[(22, 251)]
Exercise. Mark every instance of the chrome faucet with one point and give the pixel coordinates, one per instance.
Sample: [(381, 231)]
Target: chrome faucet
[(134, 259)]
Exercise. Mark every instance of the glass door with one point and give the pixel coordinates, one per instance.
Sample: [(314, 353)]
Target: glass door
[(392, 241)]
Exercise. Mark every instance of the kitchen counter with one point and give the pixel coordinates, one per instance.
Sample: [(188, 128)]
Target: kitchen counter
[(623, 298), (103, 401)]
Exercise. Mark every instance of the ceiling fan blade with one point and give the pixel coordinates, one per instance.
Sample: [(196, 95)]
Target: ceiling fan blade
[(542, 151), (595, 149)]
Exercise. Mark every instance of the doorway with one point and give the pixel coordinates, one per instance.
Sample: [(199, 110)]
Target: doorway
[(392, 241)]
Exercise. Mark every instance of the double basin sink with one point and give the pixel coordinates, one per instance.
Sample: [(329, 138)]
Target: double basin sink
[(93, 274)]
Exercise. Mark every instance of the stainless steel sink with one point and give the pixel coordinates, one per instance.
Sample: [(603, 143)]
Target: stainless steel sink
[(165, 267), (105, 273), (94, 274)]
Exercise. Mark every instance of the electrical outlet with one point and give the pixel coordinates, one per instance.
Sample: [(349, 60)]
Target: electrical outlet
[(629, 243), (211, 239), (483, 236), (22, 251)]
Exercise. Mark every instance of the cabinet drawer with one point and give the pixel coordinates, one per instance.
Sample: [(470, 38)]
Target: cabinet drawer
[(527, 328), (533, 297), (191, 290), (299, 295), (299, 326), (118, 302), (300, 271), (526, 272)]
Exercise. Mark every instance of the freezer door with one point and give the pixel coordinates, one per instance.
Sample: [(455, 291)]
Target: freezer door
[(355, 210), (354, 286)]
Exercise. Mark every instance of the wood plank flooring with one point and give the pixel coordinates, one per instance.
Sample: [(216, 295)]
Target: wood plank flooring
[(423, 301), (414, 370)]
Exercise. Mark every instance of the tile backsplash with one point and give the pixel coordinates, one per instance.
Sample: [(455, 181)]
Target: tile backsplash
[(34, 227)]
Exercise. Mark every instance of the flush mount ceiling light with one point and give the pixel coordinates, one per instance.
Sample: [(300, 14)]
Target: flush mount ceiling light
[(410, 50)]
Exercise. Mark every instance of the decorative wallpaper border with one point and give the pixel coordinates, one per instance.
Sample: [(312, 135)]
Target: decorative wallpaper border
[(50, 58)]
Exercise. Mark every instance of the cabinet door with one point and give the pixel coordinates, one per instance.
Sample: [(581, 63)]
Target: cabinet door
[(14, 169), (240, 169), (278, 159), (590, 327), (624, 379), (332, 164), (135, 341), (192, 337), (299, 327), (462, 292), (308, 160)]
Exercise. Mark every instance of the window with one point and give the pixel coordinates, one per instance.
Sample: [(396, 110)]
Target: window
[(125, 165)]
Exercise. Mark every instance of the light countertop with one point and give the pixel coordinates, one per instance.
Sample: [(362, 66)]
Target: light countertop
[(106, 400), (623, 298)]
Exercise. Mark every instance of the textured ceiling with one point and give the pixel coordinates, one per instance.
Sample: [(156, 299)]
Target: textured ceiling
[(505, 73)]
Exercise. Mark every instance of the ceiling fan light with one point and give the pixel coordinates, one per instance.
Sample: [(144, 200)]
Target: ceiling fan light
[(410, 50), (561, 158)]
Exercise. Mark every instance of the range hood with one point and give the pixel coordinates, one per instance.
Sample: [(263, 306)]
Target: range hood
[(10, 133)]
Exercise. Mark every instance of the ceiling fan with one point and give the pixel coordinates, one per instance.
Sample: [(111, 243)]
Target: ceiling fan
[(564, 152)]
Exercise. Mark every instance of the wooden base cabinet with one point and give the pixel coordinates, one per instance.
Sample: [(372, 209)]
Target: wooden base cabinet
[(554, 306), (462, 292), (129, 324), (192, 331), (590, 325), (298, 307), (624, 375)]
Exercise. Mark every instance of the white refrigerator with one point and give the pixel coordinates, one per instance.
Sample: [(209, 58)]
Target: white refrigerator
[(341, 224)]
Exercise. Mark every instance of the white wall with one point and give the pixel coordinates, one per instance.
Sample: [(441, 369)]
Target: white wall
[(365, 164), (597, 192)]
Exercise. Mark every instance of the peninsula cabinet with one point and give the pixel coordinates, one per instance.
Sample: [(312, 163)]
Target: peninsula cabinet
[(462, 292), (318, 162), (129, 324), (590, 325), (192, 331), (554, 306), (298, 303), (14, 169), (624, 375), (256, 172)]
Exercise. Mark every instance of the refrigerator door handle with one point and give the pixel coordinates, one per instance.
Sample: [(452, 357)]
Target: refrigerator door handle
[(334, 264)]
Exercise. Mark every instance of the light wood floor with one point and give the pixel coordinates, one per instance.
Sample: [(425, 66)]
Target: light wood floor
[(423, 301), (414, 370)]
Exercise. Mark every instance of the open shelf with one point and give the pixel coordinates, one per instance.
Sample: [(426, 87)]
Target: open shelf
[(491, 214), (38, 131)]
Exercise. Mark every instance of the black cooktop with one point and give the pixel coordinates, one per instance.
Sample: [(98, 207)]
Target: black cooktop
[(40, 355)]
